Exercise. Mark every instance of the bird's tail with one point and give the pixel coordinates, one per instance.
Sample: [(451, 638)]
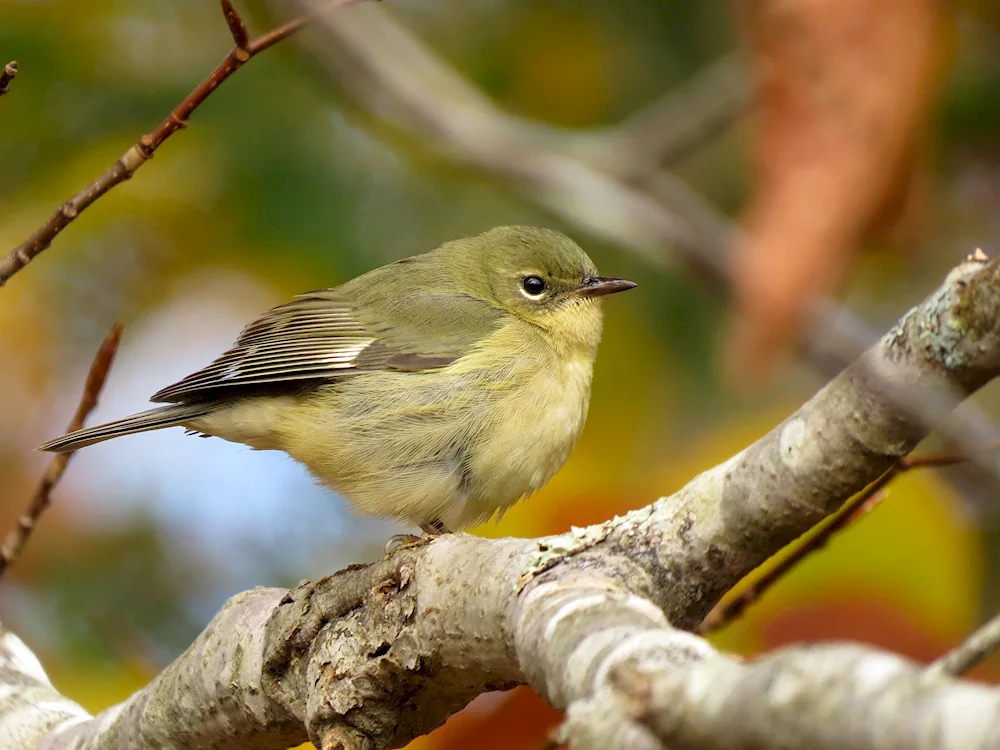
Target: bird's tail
[(154, 419)]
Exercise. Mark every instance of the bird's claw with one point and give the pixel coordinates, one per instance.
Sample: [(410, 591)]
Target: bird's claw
[(404, 541)]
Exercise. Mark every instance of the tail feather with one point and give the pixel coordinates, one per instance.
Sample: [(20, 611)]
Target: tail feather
[(154, 419)]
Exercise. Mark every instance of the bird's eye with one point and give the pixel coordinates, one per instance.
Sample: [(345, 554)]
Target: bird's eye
[(533, 285)]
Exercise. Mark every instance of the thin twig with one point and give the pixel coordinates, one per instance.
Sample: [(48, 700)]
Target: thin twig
[(725, 612), (9, 74), (143, 150), (236, 25), (978, 647), (20, 534)]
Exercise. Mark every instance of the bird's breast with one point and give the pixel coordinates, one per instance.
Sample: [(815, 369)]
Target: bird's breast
[(531, 431)]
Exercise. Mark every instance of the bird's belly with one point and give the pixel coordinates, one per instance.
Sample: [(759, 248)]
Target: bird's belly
[(456, 452), (530, 438), (392, 444)]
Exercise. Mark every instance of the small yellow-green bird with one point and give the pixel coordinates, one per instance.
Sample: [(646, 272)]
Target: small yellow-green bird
[(437, 390)]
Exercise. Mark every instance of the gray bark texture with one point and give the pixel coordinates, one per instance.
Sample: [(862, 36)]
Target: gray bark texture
[(595, 619)]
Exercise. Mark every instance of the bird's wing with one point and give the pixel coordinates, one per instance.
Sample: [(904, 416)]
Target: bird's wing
[(329, 333)]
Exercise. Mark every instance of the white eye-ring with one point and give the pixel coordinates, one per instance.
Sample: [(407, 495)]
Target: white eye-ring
[(532, 286)]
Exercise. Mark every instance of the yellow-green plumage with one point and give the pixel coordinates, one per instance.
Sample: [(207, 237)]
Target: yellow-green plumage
[(437, 390)]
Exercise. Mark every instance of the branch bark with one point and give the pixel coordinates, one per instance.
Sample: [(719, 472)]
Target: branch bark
[(827, 697), (593, 619)]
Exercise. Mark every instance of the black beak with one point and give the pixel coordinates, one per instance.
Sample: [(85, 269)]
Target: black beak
[(598, 286)]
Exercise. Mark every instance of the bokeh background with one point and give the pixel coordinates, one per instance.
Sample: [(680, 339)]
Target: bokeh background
[(280, 186)]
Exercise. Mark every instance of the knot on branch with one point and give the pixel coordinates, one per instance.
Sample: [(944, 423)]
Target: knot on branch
[(958, 323), (7, 75), (347, 655)]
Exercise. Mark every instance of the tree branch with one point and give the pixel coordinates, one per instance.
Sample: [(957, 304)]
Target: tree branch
[(17, 538), (378, 654), (858, 506), (7, 76), (31, 708), (824, 697), (669, 128), (236, 26), (143, 150)]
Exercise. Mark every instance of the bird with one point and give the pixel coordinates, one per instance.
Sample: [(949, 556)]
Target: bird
[(438, 390)]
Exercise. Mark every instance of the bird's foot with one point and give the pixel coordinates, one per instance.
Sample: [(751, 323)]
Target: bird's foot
[(401, 541), (432, 530)]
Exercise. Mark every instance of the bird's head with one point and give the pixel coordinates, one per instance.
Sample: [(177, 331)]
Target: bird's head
[(538, 275)]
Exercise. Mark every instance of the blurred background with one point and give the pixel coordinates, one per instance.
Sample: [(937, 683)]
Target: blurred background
[(295, 175)]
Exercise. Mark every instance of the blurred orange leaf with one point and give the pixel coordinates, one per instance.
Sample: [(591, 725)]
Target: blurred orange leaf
[(845, 87), (515, 720)]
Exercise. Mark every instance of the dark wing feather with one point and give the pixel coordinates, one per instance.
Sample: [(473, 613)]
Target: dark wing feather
[(332, 333), (307, 338)]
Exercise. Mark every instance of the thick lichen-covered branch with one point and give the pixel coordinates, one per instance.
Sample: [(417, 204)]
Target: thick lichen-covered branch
[(822, 697), (852, 697)]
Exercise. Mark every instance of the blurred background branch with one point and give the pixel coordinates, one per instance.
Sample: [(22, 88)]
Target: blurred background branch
[(14, 542), (853, 510), (673, 126), (974, 650)]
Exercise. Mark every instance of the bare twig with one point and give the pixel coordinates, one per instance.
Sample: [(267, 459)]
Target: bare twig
[(143, 150), (852, 510), (8, 75), (978, 647), (236, 25), (20, 534)]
